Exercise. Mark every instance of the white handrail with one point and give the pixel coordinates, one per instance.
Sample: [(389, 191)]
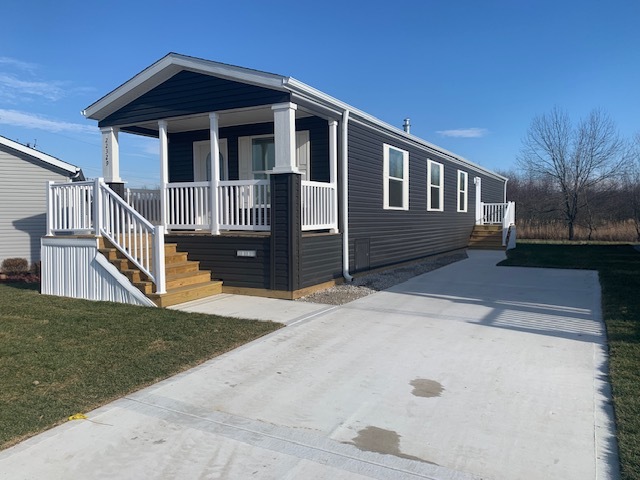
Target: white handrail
[(132, 234), (318, 209), (92, 207), (244, 205)]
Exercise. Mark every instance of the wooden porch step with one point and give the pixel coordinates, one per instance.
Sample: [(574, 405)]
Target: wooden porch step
[(178, 280), (184, 279), (186, 294), (182, 267), (486, 237)]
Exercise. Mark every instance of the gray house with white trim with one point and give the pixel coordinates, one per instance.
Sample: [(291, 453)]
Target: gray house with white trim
[(272, 186), (24, 173)]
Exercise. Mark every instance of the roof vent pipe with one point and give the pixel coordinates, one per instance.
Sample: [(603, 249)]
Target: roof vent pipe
[(407, 125)]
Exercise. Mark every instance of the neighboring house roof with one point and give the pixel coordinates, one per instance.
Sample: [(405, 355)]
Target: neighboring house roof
[(173, 63), (74, 172)]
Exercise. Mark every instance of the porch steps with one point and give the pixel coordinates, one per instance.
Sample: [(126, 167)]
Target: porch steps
[(486, 237), (185, 281)]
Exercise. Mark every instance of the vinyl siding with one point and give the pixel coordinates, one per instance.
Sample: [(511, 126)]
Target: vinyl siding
[(320, 259), (219, 255), (188, 93), (23, 203), (401, 235)]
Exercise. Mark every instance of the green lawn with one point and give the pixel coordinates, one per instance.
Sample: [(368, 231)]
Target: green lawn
[(61, 356), (619, 271)]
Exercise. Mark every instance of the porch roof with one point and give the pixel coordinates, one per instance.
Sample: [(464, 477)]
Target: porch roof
[(302, 94)]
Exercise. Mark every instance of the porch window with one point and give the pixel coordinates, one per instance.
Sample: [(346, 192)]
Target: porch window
[(263, 157), (257, 156), (435, 186), (463, 191), (396, 178)]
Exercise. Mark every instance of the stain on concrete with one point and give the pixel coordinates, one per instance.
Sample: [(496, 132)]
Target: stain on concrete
[(159, 442), (423, 387), (379, 440)]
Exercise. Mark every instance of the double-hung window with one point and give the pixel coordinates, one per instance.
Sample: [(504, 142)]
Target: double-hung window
[(396, 178), (435, 186), (463, 191)]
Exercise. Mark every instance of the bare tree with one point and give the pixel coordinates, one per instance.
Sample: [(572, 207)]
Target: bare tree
[(631, 184), (576, 158)]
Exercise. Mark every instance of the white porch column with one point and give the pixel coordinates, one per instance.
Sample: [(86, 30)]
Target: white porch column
[(284, 117), (110, 155), (333, 169), (477, 181), (164, 170), (215, 172)]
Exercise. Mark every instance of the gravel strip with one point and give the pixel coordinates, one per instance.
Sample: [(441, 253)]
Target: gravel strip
[(367, 284)]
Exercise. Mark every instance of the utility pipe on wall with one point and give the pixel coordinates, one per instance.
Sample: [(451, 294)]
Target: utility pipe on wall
[(345, 196)]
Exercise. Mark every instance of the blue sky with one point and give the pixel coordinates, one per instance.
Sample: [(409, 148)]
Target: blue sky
[(470, 74)]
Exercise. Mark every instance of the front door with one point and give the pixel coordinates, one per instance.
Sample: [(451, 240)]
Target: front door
[(202, 161)]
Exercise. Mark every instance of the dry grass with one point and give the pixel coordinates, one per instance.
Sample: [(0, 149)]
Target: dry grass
[(556, 230)]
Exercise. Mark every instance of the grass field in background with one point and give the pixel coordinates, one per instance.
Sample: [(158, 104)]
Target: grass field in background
[(60, 356), (618, 267)]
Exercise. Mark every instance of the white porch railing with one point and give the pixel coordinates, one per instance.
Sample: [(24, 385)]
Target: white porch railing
[(92, 207), (188, 205), (244, 205), (503, 214), (146, 202), (318, 211), (69, 207), (493, 213)]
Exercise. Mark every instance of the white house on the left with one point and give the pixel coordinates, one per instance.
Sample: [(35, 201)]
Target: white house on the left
[(24, 173)]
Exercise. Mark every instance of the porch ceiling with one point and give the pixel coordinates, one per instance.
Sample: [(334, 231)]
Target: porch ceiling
[(225, 119)]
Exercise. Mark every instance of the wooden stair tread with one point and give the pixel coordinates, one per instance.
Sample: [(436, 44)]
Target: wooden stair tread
[(179, 295)]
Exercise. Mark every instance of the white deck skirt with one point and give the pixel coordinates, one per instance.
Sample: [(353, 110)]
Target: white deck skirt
[(73, 267)]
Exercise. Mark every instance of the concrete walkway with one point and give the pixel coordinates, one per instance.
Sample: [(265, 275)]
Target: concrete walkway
[(470, 371)]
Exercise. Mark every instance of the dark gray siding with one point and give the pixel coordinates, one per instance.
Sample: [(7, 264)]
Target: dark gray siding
[(285, 231), (219, 254), (397, 235), (181, 148), (321, 259), (189, 93), (492, 189)]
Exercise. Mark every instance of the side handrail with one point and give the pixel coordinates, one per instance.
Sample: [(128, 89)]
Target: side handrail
[(130, 233)]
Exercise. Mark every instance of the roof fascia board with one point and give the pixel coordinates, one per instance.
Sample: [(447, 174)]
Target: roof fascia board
[(367, 119), (39, 155), (168, 66)]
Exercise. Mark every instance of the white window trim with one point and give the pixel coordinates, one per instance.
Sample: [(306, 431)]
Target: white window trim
[(386, 177), (440, 187), (303, 147), (465, 176)]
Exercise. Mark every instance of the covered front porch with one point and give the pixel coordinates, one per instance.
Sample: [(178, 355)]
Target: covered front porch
[(274, 174), (215, 168)]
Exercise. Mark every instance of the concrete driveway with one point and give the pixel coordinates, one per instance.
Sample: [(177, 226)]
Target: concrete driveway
[(470, 371)]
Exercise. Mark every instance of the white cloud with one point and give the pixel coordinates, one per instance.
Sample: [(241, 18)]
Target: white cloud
[(18, 64), (10, 86), (29, 120), (464, 132)]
